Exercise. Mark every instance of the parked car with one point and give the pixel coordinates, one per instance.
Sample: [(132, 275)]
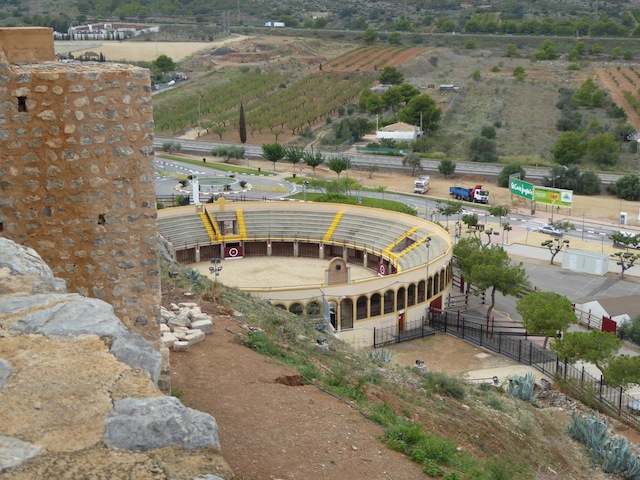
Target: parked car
[(551, 230)]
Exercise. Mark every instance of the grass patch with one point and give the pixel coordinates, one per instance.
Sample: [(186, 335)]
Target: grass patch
[(438, 382), (353, 200), (225, 167)]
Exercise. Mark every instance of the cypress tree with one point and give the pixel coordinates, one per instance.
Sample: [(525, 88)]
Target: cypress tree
[(242, 125)]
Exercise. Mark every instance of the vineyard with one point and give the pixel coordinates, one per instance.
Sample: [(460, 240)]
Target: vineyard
[(373, 58), (270, 104), (624, 86)]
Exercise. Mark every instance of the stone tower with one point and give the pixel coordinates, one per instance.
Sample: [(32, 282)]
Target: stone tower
[(76, 172)]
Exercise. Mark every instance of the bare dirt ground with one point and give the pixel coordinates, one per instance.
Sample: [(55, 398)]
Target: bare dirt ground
[(142, 51), (273, 428)]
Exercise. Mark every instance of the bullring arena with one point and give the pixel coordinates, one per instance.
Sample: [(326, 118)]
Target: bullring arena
[(358, 268)]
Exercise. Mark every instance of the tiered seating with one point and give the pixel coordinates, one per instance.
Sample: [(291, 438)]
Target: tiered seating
[(369, 231), (287, 224), (187, 230)]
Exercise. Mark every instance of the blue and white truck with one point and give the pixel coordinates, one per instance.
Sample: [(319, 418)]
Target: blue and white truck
[(475, 194)]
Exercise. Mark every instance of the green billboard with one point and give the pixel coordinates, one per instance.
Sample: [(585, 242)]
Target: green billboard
[(553, 196), (521, 189)]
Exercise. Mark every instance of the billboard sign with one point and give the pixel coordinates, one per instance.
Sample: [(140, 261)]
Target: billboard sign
[(553, 196), (521, 189)]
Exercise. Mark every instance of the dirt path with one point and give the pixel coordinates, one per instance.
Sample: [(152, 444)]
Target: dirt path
[(270, 430)]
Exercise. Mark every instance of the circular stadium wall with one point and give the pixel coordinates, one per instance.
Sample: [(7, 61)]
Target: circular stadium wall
[(411, 259)]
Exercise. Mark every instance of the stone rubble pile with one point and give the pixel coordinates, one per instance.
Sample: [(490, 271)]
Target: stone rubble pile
[(183, 325)]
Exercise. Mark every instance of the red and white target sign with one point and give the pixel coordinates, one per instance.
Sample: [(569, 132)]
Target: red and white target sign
[(232, 252), (382, 269)]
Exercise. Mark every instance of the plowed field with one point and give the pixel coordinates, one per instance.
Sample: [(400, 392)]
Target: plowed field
[(370, 59), (617, 82)]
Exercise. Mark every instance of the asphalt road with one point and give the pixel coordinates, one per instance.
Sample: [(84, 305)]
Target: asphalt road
[(363, 160)]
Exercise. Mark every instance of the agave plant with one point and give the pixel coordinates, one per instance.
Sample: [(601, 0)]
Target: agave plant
[(523, 387)]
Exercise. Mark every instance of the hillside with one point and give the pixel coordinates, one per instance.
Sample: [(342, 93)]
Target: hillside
[(276, 424)]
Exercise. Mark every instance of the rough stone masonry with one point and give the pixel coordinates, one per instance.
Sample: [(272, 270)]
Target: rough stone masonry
[(76, 173)]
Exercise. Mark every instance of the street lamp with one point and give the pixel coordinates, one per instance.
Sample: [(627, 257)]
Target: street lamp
[(216, 268), (553, 188), (305, 185)]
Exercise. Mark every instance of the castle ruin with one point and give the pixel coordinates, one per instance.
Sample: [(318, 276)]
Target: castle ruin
[(77, 175)]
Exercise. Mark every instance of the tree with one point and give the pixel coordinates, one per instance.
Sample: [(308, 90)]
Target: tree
[(627, 187), (425, 105), (393, 97), (596, 347), (470, 219), (511, 50), (547, 51), (623, 371), (273, 152), (510, 169), (408, 92), (546, 313), (489, 267), (163, 64), (625, 239), (371, 169), (626, 260), (519, 73), (294, 155), (313, 160), (588, 95), (603, 149), (218, 129), (391, 75), (488, 131), (555, 246), (499, 211), (412, 160), (590, 184), (338, 164), (482, 149), (228, 153), (369, 36), (242, 125), (447, 167), (449, 208), (569, 148), (630, 330), (394, 38)]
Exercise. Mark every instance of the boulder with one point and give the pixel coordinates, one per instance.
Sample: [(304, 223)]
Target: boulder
[(14, 452), (180, 346), (168, 339), (195, 337), (147, 423), (134, 350), (64, 314), (205, 326), (180, 320)]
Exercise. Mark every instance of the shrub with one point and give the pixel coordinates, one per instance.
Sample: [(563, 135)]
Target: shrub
[(441, 383)]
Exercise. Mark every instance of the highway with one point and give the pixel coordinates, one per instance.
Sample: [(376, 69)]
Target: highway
[(364, 160)]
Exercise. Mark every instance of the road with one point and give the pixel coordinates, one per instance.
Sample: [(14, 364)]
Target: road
[(364, 160)]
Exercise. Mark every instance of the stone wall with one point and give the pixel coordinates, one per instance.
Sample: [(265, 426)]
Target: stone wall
[(77, 176)]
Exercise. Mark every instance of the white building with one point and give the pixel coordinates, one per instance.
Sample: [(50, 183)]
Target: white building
[(399, 131)]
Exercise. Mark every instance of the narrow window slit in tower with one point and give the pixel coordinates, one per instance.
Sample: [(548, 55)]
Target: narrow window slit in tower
[(101, 220), (22, 104)]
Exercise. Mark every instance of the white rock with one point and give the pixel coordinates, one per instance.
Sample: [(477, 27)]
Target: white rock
[(168, 339), (205, 326), (174, 307), (195, 337), (180, 334), (181, 346), (164, 328)]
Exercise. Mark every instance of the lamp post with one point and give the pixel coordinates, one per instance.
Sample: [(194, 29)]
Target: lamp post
[(305, 185), (215, 268)]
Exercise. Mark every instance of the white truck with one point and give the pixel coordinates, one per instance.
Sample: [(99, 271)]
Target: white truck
[(274, 24), (421, 185)]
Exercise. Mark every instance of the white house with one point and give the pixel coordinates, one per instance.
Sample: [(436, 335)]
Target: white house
[(619, 309), (399, 131)]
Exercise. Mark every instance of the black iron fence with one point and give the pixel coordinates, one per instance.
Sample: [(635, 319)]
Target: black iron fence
[(516, 345), (390, 335)]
